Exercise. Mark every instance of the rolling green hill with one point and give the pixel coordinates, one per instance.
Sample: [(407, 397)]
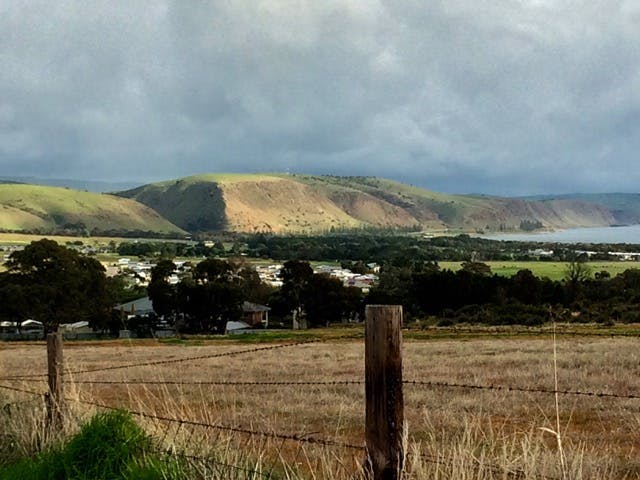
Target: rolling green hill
[(305, 203), (44, 209)]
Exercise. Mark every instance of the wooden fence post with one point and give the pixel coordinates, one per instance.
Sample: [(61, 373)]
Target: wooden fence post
[(55, 397), (383, 388)]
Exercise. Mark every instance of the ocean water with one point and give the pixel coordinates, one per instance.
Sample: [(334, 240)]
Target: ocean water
[(626, 234)]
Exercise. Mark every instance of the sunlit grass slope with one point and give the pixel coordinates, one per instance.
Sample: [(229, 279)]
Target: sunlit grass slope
[(35, 207)]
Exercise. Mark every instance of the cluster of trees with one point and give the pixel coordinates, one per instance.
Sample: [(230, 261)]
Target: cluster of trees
[(473, 294), (530, 225), (53, 284), (315, 299), (213, 295), (206, 300), (404, 250), (79, 229), (389, 249), (170, 249)]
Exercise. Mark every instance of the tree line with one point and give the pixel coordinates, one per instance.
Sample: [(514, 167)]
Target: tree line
[(474, 295), (54, 284), (381, 248)]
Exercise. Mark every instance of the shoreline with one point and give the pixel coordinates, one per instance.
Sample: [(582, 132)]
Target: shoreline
[(619, 234)]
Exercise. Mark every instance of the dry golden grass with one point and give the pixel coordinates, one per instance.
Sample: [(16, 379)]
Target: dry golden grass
[(453, 433)]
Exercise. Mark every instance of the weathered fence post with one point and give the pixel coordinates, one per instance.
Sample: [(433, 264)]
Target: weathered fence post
[(55, 397), (383, 388)]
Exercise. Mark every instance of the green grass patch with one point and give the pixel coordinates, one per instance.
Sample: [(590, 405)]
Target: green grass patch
[(111, 446), (267, 337), (552, 270), (191, 342)]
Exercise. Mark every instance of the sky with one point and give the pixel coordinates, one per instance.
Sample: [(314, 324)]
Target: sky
[(505, 97)]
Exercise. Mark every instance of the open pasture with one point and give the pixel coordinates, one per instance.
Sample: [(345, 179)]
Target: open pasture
[(552, 270), (26, 238), (270, 405)]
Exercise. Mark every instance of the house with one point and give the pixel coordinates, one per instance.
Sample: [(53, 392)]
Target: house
[(8, 327), (255, 314), (141, 306), (27, 330), (77, 330), (32, 326)]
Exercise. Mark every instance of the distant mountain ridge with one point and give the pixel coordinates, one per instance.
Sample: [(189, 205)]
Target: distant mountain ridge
[(283, 203), (89, 185), (625, 207)]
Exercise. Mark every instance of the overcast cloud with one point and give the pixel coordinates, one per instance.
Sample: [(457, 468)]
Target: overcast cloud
[(506, 97)]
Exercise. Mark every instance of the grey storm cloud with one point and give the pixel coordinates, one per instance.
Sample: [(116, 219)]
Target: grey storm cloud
[(471, 96)]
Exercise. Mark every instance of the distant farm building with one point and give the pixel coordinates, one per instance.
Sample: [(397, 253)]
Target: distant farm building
[(255, 314)]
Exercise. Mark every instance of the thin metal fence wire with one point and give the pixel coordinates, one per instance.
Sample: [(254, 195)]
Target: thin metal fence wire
[(166, 362), (22, 390), (504, 388), (417, 383), (536, 332), (454, 330), (222, 382), (240, 430)]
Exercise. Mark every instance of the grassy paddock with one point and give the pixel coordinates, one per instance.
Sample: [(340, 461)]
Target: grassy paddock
[(26, 238), (453, 433), (553, 270)]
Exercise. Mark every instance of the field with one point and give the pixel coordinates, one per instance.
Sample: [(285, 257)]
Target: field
[(454, 431), (26, 238), (553, 270)]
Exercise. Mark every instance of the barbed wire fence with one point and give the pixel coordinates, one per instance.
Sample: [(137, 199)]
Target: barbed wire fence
[(9, 383)]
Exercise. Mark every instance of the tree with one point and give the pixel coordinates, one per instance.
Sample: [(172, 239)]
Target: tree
[(324, 300), (525, 287), (212, 270), (253, 288), (209, 305), (577, 271), (161, 293), (58, 285), (477, 268), (295, 275), (13, 301)]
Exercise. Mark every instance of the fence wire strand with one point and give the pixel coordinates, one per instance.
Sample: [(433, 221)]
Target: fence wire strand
[(504, 388), (166, 362), (415, 383), (215, 426), (22, 390), (499, 332)]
